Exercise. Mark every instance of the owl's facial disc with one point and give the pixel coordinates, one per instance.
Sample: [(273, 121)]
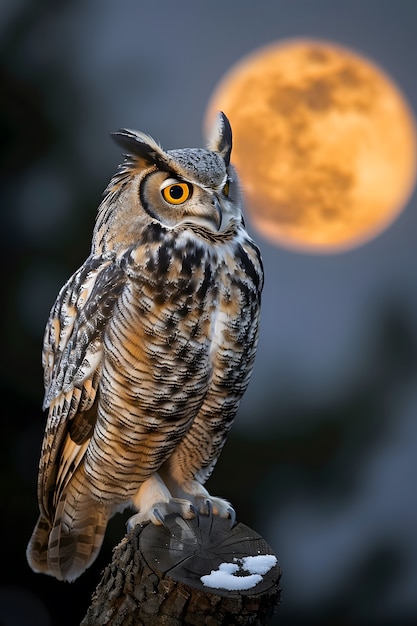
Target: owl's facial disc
[(194, 203), (173, 201)]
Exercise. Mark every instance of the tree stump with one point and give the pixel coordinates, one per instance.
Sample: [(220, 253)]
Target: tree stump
[(192, 572)]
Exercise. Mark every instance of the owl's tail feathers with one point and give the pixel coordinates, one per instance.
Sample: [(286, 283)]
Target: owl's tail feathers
[(76, 536), (37, 550), (72, 544)]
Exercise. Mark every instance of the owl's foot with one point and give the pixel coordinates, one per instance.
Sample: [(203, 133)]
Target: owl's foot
[(216, 506), (228, 513), (154, 502), (204, 503), (185, 509), (160, 510)]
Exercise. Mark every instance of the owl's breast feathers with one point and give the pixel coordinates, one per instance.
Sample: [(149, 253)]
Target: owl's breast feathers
[(183, 276), (186, 305), (149, 339)]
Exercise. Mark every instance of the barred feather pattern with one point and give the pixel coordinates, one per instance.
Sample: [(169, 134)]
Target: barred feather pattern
[(147, 353)]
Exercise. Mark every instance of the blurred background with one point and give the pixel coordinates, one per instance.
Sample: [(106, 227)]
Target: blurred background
[(322, 460)]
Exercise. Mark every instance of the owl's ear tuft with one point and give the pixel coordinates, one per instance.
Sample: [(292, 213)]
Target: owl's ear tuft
[(140, 146), (220, 137)]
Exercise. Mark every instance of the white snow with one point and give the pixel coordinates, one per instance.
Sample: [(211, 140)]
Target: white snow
[(260, 564), (225, 577)]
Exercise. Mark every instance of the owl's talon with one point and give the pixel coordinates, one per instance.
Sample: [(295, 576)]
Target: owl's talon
[(232, 515), (160, 517), (194, 510), (133, 521), (209, 506)]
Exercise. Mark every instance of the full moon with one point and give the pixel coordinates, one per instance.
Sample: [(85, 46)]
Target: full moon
[(324, 143)]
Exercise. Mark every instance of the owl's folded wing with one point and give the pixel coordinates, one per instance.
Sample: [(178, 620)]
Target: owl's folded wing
[(72, 354)]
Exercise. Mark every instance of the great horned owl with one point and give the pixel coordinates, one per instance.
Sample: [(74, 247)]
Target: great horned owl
[(148, 350)]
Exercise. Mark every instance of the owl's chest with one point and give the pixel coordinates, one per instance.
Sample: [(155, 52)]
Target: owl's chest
[(177, 308), (178, 301)]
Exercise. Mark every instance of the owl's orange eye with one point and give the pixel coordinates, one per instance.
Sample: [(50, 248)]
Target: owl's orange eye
[(176, 193)]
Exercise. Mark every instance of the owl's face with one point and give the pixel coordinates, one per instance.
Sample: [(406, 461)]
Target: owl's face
[(182, 197), (177, 188)]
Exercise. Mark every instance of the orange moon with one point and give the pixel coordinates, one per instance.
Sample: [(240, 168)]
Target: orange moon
[(324, 143)]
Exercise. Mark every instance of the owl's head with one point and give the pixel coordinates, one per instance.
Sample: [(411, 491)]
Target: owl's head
[(189, 187)]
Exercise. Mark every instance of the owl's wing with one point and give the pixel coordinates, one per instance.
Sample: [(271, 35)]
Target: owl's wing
[(72, 354)]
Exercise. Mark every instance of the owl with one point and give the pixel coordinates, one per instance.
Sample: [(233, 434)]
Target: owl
[(148, 350)]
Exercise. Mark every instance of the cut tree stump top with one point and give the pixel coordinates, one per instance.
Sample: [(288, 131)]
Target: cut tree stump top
[(198, 571)]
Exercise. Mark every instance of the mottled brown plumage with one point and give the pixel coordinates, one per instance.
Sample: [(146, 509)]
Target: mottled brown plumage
[(147, 352)]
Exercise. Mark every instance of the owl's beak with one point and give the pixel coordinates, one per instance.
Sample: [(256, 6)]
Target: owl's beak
[(217, 213)]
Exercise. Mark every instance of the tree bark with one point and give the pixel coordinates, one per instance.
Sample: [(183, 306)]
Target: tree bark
[(157, 576)]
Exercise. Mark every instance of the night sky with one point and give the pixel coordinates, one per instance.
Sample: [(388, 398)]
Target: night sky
[(322, 459)]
